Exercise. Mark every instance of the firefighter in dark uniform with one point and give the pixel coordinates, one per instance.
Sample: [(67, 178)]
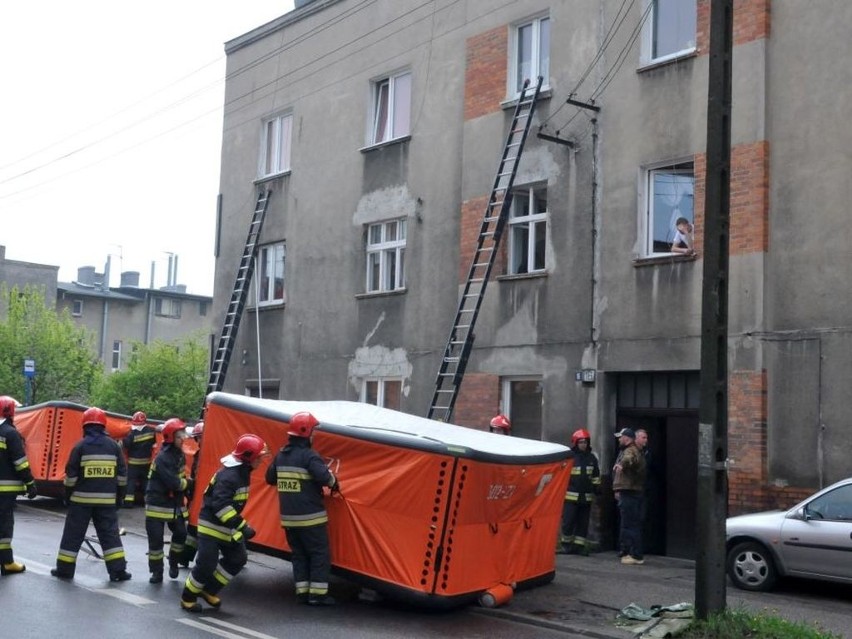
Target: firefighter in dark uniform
[(95, 483), (584, 484), (139, 444), (164, 501), (16, 478), (221, 528), (299, 473), (190, 545)]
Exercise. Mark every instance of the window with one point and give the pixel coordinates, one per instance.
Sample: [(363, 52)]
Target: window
[(391, 108), (834, 506), (167, 307), (669, 29), (531, 56), (382, 392), (386, 256), (527, 229), (202, 309), (275, 146), (270, 264), (670, 194), (77, 308), (522, 404), (116, 355)]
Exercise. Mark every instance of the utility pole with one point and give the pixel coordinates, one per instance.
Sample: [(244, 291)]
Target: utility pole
[(712, 498)]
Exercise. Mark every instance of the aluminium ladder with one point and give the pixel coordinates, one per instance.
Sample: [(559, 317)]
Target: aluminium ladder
[(460, 342), (231, 325)]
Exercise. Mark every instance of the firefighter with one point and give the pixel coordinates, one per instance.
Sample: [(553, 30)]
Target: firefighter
[(16, 478), (190, 546), (95, 483), (164, 501), (500, 425), (299, 473), (584, 484), (221, 528), (139, 444)]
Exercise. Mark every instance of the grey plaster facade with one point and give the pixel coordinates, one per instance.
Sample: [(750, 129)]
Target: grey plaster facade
[(603, 303)]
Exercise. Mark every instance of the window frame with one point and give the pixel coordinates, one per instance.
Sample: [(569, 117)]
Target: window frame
[(651, 28), (115, 363), (389, 125), (173, 307), (506, 403), (681, 166), (381, 391), (281, 154), (384, 248), (263, 259), (514, 82), (532, 220), (77, 308)]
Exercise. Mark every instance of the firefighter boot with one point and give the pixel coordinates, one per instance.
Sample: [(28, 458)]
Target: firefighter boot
[(190, 605), (121, 575), (156, 577), (212, 600), (321, 600), (173, 568), (12, 568), (60, 574)]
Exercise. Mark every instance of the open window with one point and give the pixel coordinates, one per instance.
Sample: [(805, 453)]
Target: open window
[(669, 196), (528, 229), (275, 145), (391, 108), (530, 56)]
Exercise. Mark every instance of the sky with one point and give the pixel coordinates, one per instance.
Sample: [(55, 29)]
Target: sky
[(110, 132)]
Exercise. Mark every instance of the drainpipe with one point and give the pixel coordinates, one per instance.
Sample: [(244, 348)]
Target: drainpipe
[(596, 251)]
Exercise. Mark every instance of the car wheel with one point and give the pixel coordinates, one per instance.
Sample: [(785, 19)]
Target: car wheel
[(751, 567)]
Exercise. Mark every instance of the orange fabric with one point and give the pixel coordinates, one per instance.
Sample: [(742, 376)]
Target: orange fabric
[(404, 510)]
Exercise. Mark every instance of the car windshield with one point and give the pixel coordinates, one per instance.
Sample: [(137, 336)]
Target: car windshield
[(833, 506)]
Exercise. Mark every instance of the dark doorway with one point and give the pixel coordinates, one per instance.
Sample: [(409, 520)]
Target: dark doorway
[(666, 406)]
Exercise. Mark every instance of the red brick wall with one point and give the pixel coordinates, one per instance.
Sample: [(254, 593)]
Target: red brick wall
[(751, 22), (747, 475), (749, 230), (485, 74), (478, 400), (472, 214)]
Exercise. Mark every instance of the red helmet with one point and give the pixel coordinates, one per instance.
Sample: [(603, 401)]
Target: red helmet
[(302, 424), (501, 422), (94, 415), (7, 407), (582, 433), (197, 430), (249, 448), (170, 429), (139, 418)]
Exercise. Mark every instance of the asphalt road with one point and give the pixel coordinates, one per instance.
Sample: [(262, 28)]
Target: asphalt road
[(259, 604)]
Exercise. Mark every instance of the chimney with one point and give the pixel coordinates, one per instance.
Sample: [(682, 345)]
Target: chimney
[(86, 275), (130, 278)]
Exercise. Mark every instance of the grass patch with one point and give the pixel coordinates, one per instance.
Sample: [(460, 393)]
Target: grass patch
[(741, 624)]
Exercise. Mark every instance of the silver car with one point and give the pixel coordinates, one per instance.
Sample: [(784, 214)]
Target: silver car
[(812, 540)]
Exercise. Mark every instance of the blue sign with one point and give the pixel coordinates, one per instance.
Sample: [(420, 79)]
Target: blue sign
[(29, 368)]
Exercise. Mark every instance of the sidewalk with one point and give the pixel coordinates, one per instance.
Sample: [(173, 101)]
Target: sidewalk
[(588, 592)]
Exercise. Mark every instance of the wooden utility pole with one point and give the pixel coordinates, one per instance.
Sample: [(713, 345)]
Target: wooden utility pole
[(712, 498)]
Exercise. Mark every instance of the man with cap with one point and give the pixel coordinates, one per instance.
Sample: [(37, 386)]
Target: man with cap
[(628, 482)]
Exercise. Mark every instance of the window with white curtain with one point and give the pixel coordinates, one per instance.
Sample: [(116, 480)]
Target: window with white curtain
[(275, 145), (270, 276), (391, 108), (531, 54), (669, 195)]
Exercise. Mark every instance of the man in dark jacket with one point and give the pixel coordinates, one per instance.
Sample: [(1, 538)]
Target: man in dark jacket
[(629, 483), (299, 473), (95, 482), (164, 501), (139, 444), (221, 528), (16, 478)]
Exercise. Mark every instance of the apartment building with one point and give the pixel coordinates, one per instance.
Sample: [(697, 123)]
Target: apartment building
[(378, 126)]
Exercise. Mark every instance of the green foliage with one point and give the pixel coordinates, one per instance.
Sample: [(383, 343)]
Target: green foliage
[(65, 366), (163, 379), (740, 624)]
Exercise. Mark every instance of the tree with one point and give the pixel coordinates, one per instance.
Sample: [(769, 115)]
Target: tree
[(163, 379), (66, 368)]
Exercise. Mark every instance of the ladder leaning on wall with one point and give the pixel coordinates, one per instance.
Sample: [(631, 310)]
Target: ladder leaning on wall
[(460, 342)]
